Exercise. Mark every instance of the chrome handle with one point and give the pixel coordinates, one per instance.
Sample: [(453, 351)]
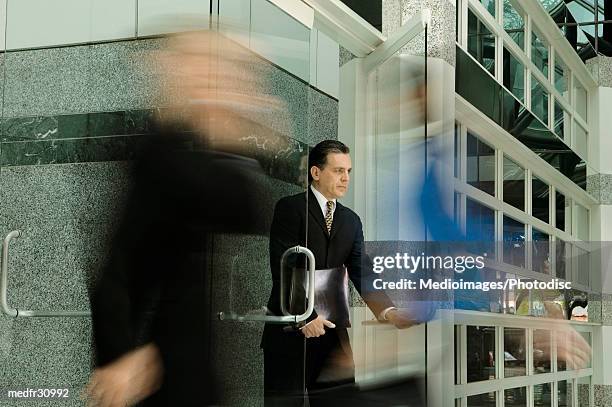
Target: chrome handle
[(287, 318), (14, 312)]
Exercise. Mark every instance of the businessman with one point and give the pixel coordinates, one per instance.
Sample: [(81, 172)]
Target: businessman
[(317, 355)]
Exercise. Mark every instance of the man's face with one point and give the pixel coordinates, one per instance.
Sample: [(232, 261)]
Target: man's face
[(333, 180)]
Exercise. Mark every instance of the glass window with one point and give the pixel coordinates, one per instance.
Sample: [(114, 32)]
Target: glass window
[(561, 76), (480, 165), (562, 212), (539, 53), (564, 393), (489, 5), (561, 258), (515, 350), (563, 342), (582, 222), (514, 24), (581, 100), (482, 400), (542, 395), (540, 194), (481, 353), (481, 43), (581, 141), (584, 396), (582, 263), (514, 242), (540, 254), (515, 397), (480, 226), (541, 351), (561, 123), (539, 100), (514, 184), (514, 75)]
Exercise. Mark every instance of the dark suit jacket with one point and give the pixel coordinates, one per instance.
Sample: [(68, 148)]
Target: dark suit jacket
[(342, 246), (155, 285)]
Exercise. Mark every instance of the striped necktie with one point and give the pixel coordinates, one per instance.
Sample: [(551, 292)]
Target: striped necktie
[(328, 215)]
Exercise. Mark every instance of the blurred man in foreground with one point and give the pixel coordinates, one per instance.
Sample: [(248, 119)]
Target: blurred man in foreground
[(151, 304)]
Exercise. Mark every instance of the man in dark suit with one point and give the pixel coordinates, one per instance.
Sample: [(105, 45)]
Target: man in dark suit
[(317, 354)]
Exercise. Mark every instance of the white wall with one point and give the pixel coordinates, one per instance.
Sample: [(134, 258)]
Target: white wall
[(43, 23), (163, 16)]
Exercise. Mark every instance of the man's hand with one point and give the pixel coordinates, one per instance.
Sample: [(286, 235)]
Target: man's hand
[(126, 381), (571, 347), (401, 318), (316, 327)]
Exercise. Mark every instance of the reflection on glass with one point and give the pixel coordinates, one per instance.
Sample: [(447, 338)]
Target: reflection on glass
[(582, 222), (562, 212), (563, 342), (584, 395), (514, 75), (581, 261), (587, 338), (539, 100), (561, 121), (581, 141), (515, 397), (542, 395), (541, 351), (489, 5), (480, 353), (539, 53), (540, 251), (481, 43), (514, 24), (370, 10), (561, 258), (514, 242), (482, 400), (480, 226), (514, 184), (480, 165), (564, 393), (581, 100), (514, 352), (561, 76), (540, 194)]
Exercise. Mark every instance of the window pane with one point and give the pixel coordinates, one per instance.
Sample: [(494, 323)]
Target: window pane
[(542, 395), (515, 397), (514, 24), (581, 142), (480, 165), (562, 343), (481, 353), (514, 352), (540, 254), (561, 76), (541, 351), (582, 222), (489, 5), (514, 76), (482, 400), (583, 391), (514, 242), (514, 184), (561, 123), (564, 393), (480, 227), (481, 43), (540, 194), (581, 100), (562, 212), (539, 53), (561, 258), (582, 263), (539, 100)]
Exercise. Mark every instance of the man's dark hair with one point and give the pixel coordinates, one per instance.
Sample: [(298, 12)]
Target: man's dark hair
[(318, 154)]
